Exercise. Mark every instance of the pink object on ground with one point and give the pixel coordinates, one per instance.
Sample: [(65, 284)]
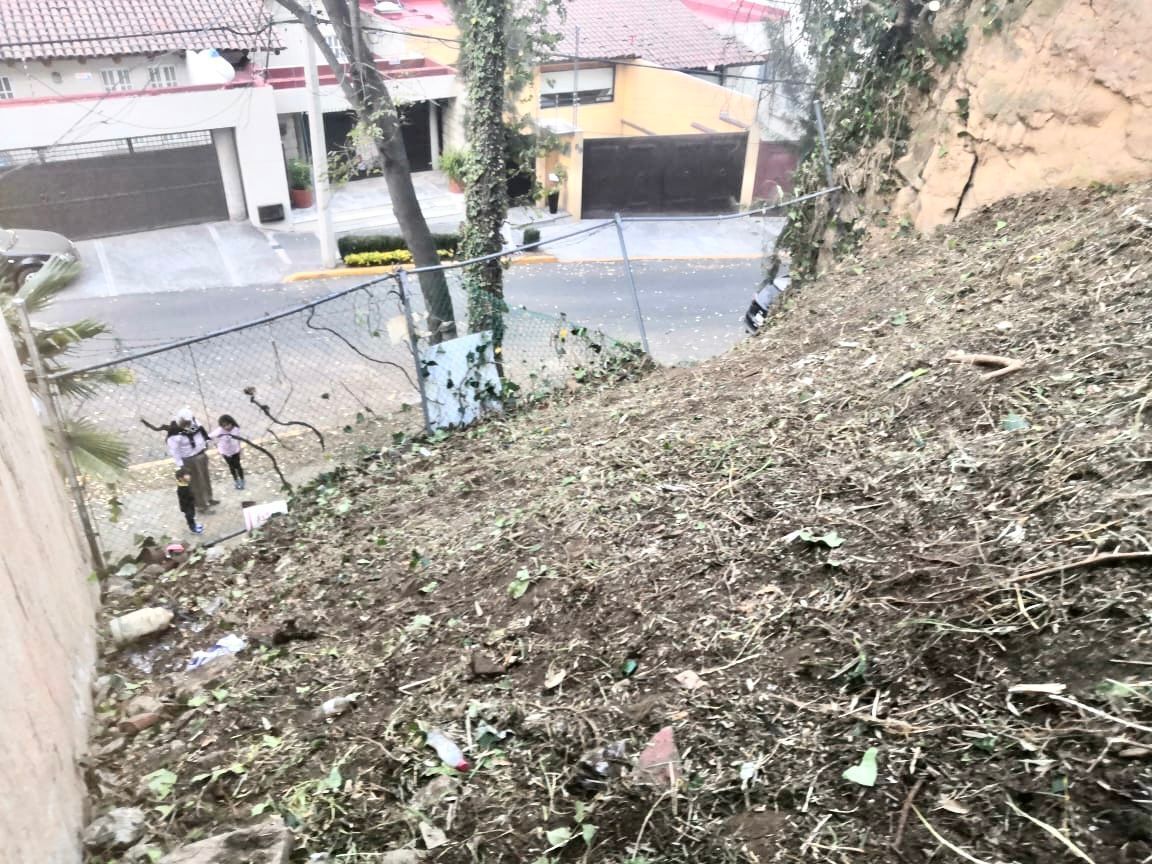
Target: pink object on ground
[(659, 763)]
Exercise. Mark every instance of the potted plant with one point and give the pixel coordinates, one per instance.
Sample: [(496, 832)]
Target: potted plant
[(557, 179), (300, 183), (453, 163), (531, 239)]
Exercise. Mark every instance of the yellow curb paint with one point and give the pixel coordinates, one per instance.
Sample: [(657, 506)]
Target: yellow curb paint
[(340, 272)]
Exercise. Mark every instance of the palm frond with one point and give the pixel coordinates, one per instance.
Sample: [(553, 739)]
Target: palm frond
[(54, 341), (41, 288), (96, 452), (83, 384)]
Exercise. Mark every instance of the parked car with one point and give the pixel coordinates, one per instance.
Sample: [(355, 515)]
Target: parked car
[(27, 251)]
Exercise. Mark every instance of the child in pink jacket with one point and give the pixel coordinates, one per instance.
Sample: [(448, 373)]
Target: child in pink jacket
[(229, 447)]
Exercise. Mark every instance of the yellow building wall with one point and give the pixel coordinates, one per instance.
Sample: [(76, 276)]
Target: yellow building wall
[(662, 101), (426, 42), (648, 99)]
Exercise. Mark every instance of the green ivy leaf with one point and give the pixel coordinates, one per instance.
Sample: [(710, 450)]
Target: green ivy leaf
[(557, 838), (866, 772), (160, 783)]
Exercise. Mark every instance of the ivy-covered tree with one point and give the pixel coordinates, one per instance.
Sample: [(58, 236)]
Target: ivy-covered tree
[(377, 120), (874, 60), (483, 64), (501, 43)]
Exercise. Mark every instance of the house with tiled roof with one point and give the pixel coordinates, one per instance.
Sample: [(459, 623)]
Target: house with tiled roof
[(635, 94), (127, 115)]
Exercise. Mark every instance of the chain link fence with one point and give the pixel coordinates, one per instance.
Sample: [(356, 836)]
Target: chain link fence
[(317, 385), (351, 373)]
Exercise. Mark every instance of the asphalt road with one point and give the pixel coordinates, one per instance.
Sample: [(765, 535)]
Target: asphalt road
[(691, 309)]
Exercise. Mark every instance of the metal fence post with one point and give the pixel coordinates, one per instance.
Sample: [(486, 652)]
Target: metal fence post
[(414, 345), (632, 284), (56, 425), (823, 141)]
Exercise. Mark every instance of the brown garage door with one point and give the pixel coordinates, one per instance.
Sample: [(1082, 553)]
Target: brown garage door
[(113, 187), (686, 174)]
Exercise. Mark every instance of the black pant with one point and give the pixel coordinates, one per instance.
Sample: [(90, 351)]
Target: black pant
[(235, 467), (189, 517)]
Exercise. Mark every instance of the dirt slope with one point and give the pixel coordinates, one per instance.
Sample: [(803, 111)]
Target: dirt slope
[(650, 528)]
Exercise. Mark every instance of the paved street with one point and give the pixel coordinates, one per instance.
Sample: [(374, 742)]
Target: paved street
[(691, 309)]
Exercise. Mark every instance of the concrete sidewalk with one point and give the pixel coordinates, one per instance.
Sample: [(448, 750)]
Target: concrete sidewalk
[(365, 205)]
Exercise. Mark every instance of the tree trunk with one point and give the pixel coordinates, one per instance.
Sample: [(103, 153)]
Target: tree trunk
[(483, 26), (366, 91)]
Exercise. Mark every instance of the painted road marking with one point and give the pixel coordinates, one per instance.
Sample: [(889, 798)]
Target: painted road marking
[(106, 269), (233, 279)]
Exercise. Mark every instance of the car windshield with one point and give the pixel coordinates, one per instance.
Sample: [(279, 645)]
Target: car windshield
[(7, 240)]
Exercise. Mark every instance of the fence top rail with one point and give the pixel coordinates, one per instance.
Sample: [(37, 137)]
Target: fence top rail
[(452, 265)]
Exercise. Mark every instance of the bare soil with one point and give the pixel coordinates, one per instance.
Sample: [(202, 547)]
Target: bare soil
[(854, 541)]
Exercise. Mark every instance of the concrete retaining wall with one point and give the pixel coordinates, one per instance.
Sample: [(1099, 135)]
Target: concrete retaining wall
[(47, 639)]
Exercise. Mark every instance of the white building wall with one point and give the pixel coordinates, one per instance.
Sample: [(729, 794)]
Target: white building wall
[(37, 80), (386, 46), (249, 111)]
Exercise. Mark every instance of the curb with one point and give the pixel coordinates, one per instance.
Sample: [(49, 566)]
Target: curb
[(542, 258), (387, 269)]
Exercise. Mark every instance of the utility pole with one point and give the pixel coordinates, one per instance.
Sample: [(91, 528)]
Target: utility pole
[(324, 229), (576, 85)]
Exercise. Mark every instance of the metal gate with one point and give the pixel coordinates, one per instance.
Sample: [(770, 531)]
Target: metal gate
[(692, 174), (113, 187)]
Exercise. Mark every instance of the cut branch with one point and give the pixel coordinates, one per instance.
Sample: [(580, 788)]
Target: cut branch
[(1006, 364), (1090, 561), (250, 392)]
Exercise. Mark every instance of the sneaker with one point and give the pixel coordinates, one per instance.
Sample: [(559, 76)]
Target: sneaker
[(199, 529), (239, 484), (213, 502)]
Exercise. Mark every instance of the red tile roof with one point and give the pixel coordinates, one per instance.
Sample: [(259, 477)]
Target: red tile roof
[(661, 31), (47, 29), (736, 11)]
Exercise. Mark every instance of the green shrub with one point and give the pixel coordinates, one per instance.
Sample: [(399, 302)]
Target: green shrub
[(299, 174), (453, 163), (385, 259), (532, 237), (355, 244)]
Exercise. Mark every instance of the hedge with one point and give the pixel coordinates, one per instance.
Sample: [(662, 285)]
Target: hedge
[(381, 259), (355, 244)]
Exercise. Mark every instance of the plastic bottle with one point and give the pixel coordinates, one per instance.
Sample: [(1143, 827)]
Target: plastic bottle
[(447, 750), (138, 624)]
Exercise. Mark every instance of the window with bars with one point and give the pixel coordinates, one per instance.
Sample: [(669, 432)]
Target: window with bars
[(6, 88), (337, 46), (595, 85), (162, 76), (116, 79)]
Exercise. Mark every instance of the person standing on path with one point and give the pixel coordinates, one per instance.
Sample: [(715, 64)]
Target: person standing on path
[(229, 447), (187, 500), (188, 447)]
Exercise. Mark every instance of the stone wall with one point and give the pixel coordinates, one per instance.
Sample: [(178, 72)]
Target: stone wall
[(47, 639), (1048, 93)]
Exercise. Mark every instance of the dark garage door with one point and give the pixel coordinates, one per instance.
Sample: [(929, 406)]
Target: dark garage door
[(693, 174), (113, 187)]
